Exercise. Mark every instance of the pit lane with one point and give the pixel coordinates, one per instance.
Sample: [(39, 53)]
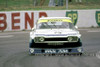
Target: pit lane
[(14, 51)]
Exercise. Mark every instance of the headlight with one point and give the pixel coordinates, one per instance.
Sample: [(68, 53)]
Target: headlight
[(39, 39), (72, 39)]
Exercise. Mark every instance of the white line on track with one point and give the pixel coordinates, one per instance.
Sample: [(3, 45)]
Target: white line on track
[(83, 29), (9, 33), (6, 36), (94, 31)]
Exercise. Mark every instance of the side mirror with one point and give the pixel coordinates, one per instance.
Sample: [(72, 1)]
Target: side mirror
[(33, 29), (76, 27)]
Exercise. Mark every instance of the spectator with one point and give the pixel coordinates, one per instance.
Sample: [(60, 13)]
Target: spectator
[(78, 0), (35, 3), (51, 3), (60, 2)]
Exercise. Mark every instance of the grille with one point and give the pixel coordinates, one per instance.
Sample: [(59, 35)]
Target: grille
[(55, 39)]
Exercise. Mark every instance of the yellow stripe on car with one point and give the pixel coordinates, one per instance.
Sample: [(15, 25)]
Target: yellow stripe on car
[(54, 20)]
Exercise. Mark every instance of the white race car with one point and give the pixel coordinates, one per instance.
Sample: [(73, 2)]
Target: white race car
[(55, 35)]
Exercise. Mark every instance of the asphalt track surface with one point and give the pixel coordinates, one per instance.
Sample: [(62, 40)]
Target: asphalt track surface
[(14, 51)]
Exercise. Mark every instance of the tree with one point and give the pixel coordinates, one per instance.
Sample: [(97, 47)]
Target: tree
[(70, 0), (42, 2)]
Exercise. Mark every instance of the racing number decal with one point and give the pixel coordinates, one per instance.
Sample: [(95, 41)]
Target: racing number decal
[(50, 51), (98, 17), (56, 51), (73, 15)]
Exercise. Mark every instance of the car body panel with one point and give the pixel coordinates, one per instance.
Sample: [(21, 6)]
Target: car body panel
[(55, 36)]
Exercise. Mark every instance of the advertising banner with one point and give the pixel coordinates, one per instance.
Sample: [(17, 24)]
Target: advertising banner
[(25, 20)]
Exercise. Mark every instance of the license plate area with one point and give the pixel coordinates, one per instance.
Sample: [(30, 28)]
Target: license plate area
[(56, 51)]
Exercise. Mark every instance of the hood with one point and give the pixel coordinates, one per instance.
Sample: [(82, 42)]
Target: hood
[(56, 32)]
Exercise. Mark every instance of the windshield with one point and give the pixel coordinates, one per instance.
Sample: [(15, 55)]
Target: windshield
[(55, 25)]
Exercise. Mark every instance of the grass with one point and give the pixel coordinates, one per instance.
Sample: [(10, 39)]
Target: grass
[(9, 5)]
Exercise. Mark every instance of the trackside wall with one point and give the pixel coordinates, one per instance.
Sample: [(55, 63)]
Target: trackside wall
[(21, 20)]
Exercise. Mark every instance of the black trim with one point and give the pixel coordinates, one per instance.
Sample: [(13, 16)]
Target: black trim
[(45, 45)]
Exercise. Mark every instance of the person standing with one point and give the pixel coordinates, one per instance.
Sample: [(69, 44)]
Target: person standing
[(78, 0), (51, 3), (60, 2), (35, 3)]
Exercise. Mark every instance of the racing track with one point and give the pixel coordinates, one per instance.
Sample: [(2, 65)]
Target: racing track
[(14, 51)]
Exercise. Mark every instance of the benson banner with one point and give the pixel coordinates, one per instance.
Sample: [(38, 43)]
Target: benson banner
[(25, 20), (19, 20)]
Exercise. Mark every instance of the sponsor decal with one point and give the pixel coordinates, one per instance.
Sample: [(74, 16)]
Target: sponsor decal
[(73, 15), (54, 20), (98, 17)]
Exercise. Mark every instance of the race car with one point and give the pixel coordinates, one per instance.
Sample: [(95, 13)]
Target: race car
[(55, 35)]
